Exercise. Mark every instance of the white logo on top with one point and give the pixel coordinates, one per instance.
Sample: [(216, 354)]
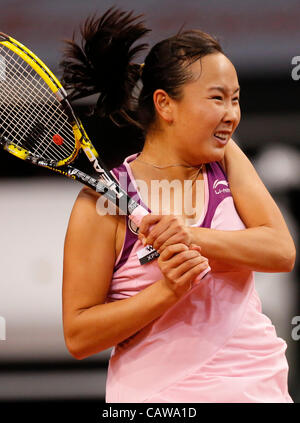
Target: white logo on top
[(218, 186)]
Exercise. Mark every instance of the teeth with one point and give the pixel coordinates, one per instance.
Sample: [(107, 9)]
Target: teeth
[(221, 135)]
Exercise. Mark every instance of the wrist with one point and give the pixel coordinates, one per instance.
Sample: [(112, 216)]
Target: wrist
[(167, 293), (194, 235)]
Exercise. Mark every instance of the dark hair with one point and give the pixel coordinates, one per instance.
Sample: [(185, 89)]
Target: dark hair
[(104, 64), (167, 67)]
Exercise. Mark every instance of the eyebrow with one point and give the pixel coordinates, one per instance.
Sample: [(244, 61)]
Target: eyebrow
[(224, 90)]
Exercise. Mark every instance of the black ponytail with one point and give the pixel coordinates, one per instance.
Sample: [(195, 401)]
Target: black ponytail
[(103, 63)]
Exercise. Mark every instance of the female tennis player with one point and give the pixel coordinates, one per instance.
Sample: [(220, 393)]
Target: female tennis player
[(175, 339)]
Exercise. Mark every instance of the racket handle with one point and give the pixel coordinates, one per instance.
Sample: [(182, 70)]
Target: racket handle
[(138, 214)]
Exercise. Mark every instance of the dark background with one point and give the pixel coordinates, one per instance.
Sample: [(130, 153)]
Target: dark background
[(261, 40)]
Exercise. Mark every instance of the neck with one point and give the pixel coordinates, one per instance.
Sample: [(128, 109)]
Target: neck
[(160, 156), (158, 150)]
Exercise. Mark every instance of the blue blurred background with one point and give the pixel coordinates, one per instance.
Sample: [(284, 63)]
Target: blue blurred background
[(261, 39)]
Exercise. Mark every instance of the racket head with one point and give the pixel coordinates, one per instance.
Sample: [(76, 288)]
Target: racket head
[(37, 123)]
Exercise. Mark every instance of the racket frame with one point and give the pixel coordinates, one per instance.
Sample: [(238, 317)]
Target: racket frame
[(108, 186)]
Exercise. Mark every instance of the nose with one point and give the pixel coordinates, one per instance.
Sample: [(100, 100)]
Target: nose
[(232, 113)]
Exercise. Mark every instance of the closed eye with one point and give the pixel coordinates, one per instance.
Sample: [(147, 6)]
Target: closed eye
[(220, 98)]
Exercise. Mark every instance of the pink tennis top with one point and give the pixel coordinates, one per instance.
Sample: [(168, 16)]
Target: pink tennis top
[(214, 344)]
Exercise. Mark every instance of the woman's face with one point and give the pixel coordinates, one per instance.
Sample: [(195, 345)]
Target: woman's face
[(208, 113)]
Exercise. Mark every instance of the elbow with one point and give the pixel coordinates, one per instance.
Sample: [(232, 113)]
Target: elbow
[(72, 347), (75, 344), (80, 348), (71, 341), (287, 259), (291, 261), (74, 340)]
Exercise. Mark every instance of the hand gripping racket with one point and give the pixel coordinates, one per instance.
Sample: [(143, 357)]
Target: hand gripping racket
[(38, 124)]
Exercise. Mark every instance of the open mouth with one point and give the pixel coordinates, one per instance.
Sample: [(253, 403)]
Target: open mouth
[(222, 137)]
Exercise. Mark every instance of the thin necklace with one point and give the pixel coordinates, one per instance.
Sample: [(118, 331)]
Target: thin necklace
[(171, 165), (174, 165)]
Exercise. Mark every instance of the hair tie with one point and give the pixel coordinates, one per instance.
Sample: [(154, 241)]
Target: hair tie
[(142, 65)]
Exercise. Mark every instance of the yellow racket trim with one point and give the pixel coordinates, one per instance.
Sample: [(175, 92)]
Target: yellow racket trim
[(41, 69), (22, 154), (17, 151), (78, 136), (86, 142), (81, 141), (54, 88), (18, 50)]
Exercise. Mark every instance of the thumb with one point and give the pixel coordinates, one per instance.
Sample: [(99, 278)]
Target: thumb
[(142, 238)]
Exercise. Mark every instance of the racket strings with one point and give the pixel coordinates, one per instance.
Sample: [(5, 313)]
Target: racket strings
[(36, 100), (23, 99), (30, 113), (29, 103), (47, 106), (27, 95), (12, 114)]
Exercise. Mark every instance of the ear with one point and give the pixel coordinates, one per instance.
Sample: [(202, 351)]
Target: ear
[(163, 105)]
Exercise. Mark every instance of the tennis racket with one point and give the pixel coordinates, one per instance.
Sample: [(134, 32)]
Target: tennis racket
[(38, 124)]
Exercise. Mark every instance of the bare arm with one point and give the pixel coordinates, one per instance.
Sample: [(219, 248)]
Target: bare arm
[(90, 324), (266, 245)]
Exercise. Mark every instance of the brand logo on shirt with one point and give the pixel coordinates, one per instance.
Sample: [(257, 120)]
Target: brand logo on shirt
[(221, 187)]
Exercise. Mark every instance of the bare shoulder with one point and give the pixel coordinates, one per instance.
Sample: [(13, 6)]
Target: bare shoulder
[(87, 196), (238, 166), (86, 210), (230, 151), (225, 162), (252, 199), (89, 228)]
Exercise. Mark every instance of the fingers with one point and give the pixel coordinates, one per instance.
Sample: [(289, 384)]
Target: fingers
[(185, 269), (192, 273), (171, 251), (158, 231), (147, 221), (181, 266), (167, 238), (178, 260)]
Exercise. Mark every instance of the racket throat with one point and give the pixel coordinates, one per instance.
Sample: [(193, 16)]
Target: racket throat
[(113, 187), (102, 172)]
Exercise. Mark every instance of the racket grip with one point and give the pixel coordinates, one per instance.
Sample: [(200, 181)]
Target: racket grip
[(137, 215)]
